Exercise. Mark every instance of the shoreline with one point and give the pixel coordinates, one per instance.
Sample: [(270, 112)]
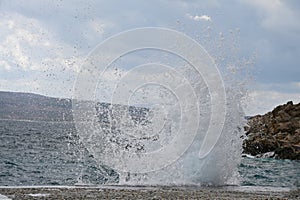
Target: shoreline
[(146, 192)]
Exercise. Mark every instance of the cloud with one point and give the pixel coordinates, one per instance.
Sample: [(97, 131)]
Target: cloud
[(263, 101), (40, 85), (267, 96), (49, 39), (283, 87), (4, 65), (200, 18), (33, 58), (276, 15), (19, 40)]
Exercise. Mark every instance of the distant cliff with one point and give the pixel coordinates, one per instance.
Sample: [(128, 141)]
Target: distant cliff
[(277, 132), (27, 106)]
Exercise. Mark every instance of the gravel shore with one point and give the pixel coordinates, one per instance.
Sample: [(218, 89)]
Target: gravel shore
[(125, 192)]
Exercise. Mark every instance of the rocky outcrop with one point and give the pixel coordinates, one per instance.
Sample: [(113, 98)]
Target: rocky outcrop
[(277, 131)]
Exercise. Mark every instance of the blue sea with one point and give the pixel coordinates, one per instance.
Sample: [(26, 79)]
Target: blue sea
[(50, 153)]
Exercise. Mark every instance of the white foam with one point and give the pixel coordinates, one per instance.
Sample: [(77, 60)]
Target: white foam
[(2, 197), (38, 195), (248, 156)]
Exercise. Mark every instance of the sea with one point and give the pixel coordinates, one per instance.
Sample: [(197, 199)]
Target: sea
[(34, 153)]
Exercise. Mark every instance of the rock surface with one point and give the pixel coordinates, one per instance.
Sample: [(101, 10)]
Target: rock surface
[(277, 131)]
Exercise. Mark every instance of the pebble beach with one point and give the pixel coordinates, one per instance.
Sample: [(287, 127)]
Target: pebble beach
[(153, 192)]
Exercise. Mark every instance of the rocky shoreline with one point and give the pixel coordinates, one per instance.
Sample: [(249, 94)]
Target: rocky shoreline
[(275, 134)]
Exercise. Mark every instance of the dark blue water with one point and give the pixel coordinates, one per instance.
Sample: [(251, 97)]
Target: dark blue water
[(270, 172), (44, 153)]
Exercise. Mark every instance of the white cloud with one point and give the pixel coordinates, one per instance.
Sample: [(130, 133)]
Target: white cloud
[(263, 101), (39, 85), (27, 45), (276, 15), (286, 87), (97, 26), (37, 38), (17, 41), (19, 84), (34, 59), (96, 29), (4, 65), (200, 18)]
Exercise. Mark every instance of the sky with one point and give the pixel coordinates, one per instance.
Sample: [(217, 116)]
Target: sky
[(43, 43)]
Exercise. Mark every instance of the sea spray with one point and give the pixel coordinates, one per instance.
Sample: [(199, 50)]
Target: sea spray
[(165, 100), (218, 168)]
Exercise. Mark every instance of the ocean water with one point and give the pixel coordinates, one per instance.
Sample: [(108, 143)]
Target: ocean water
[(45, 153)]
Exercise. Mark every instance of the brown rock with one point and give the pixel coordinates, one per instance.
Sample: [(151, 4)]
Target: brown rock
[(287, 152), (283, 127), (277, 131), (294, 113), (282, 116), (281, 135)]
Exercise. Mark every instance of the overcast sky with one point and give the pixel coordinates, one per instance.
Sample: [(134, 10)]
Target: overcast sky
[(42, 43)]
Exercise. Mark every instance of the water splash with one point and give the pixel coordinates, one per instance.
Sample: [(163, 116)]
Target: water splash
[(159, 115)]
